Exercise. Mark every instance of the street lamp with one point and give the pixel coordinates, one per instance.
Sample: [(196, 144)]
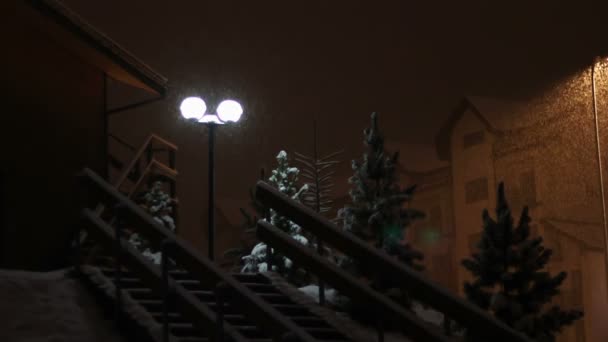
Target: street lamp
[(194, 109)]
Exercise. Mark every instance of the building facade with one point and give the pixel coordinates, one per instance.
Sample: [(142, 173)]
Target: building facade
[(532, 151)]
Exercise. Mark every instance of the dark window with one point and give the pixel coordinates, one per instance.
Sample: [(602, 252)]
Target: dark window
[(472, 139), (476, 190), (474, 241), (553, 243), (527, 185), (576, 286), (435, 217)]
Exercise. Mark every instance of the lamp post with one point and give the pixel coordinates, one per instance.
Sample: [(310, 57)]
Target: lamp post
[(596, 62), (194, 109)]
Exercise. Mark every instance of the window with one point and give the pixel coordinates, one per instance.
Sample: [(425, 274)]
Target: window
[(576, 288), (474, 241), (435, 217), (527, 186), (472, 139), (476, 190)]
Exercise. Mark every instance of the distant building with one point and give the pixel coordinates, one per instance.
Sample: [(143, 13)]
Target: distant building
[(55, 75), (533, 151)]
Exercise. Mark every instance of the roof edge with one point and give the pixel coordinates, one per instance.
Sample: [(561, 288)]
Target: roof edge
[(444, 135), (73, 23)]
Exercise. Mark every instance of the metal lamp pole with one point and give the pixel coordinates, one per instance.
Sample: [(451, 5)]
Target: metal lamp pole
[(211, 214), (193, 109), (599, 163)]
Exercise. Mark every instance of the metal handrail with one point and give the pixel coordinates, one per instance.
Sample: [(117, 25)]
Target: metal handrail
[(260, 312), (200, 314), (469, 315)]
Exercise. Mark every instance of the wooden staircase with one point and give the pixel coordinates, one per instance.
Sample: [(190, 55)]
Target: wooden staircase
[(195, 300), (182, 329), (188, 295)]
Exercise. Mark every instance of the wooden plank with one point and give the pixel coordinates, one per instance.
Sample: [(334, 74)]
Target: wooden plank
[(469, 315)]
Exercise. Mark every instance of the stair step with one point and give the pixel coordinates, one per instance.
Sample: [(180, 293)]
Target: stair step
[(292, 310), (262, 288), (325, 333), (184, 330), (276, 298), (309, 321), (151, 304), (187, 329), (204, 339), (141, 293), (190, 284), (174, 317), (251, 278), (130, 283)]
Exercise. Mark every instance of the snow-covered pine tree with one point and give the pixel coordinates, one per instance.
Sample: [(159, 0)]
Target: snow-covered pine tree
[(160, 206), (285, 179), (509, 276), (379, 214), (378, 211)]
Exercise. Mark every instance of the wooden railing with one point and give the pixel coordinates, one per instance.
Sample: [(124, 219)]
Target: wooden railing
[(269, 319), (147, 154), (147, 150), (199, 313), (479, 323)]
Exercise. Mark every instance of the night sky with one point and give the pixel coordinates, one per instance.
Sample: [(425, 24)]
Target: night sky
[(336, 61)]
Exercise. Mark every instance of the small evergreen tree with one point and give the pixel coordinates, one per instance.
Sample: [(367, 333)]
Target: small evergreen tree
[(509, 277), (160, 206), (378, 212), (285, 179)]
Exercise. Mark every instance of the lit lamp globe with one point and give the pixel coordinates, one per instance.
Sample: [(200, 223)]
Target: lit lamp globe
[(193, 108), (229, 110)]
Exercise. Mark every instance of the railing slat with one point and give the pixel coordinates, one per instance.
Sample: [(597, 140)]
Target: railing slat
[(481, 323)]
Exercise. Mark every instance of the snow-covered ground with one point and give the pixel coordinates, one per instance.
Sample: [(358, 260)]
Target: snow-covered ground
[(369, 333), (50, 307)]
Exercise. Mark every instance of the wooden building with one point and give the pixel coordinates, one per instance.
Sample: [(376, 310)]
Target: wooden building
[(531, 149), (55, 74)]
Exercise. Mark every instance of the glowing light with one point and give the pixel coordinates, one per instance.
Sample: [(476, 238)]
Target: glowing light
[(193, 108), (229, 110), (207, 118)]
